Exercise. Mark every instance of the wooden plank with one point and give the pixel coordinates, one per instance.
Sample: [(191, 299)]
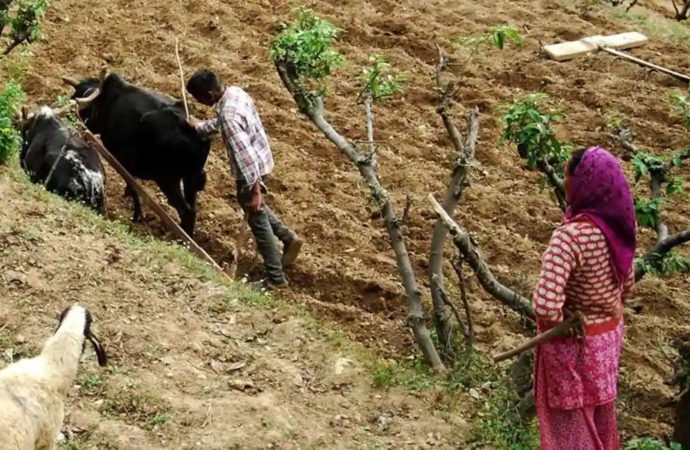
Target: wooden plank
[(625, 41), (572, 49), (160, 212), (569, 50)]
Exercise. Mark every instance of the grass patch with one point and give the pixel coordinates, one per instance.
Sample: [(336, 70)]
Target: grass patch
[(414, 375), (655, 25), (496, 421), (151, 248), (137, 406), (649, 444), (92, 383), (157, 421)]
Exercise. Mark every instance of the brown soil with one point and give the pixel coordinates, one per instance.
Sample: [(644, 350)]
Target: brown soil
[(346, 271), (192, 365)]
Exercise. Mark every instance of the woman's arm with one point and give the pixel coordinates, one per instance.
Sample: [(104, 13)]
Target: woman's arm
[(558, 262), (629, 284)]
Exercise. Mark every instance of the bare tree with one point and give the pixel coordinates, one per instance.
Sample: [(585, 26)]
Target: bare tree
[(467, 247), (312, 106), (464, 158), (468, 331)]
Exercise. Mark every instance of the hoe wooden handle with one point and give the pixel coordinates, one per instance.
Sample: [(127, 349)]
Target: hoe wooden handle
[(641, 62), (559, 330)]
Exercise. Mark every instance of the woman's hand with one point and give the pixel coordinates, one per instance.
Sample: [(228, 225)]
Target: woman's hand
[(577, 330)]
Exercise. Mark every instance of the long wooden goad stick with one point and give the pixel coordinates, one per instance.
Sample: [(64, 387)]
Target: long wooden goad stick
[(241, 239), (179, 65), (558, 331), (160, 212)]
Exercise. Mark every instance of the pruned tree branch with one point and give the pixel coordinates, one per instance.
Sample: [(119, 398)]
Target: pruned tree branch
[(448, 347), (657, 176), (660, 250), (469, 334), (312, 106), (555, 181), (469, 251), (631, 5), (406, 211), (368, 107), (625, 138), (682, 11), (464, 159), (452, 306)]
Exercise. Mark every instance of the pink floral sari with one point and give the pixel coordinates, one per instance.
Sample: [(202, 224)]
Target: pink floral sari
[(575, 392)]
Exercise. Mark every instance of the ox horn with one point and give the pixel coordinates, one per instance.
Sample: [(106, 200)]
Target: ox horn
[(70, 81), (85, 102)]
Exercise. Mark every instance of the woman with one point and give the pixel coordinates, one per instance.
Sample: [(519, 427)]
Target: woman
[(588, 267)]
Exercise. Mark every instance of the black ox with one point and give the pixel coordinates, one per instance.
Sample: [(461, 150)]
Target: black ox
[(149, 135), (60, 160)]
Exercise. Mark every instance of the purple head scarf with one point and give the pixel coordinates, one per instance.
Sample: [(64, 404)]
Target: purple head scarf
[(599, 191)]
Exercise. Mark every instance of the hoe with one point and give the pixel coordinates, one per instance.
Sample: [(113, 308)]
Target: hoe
[(610, 44)]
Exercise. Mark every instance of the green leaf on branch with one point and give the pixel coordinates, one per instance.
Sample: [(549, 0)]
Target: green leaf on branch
[(681, 104), (504, 33), (70, 115), (10, 100), (643, 163), (379, 81), (529, 128), (496, 37), (307, 45), (26, 24), (675, 185), (667, 264), (648, 212)]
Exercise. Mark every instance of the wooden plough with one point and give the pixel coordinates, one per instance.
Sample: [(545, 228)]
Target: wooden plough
[(171, 224)]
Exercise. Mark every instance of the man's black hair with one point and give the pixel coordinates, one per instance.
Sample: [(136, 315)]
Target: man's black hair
[(575, 160), (202, 82)]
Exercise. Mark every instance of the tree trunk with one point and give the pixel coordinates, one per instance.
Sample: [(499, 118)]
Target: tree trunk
[(655, 181), (312, 107), (486, 278), (681, 430), (555, 181), (661, 249), (447, 332)]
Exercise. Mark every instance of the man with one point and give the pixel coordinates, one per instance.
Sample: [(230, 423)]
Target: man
[(237, 119)]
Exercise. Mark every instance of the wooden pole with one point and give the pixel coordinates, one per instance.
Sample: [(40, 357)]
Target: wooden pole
[(641, 62), (160, 212), (179, 65), (557, 331)]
